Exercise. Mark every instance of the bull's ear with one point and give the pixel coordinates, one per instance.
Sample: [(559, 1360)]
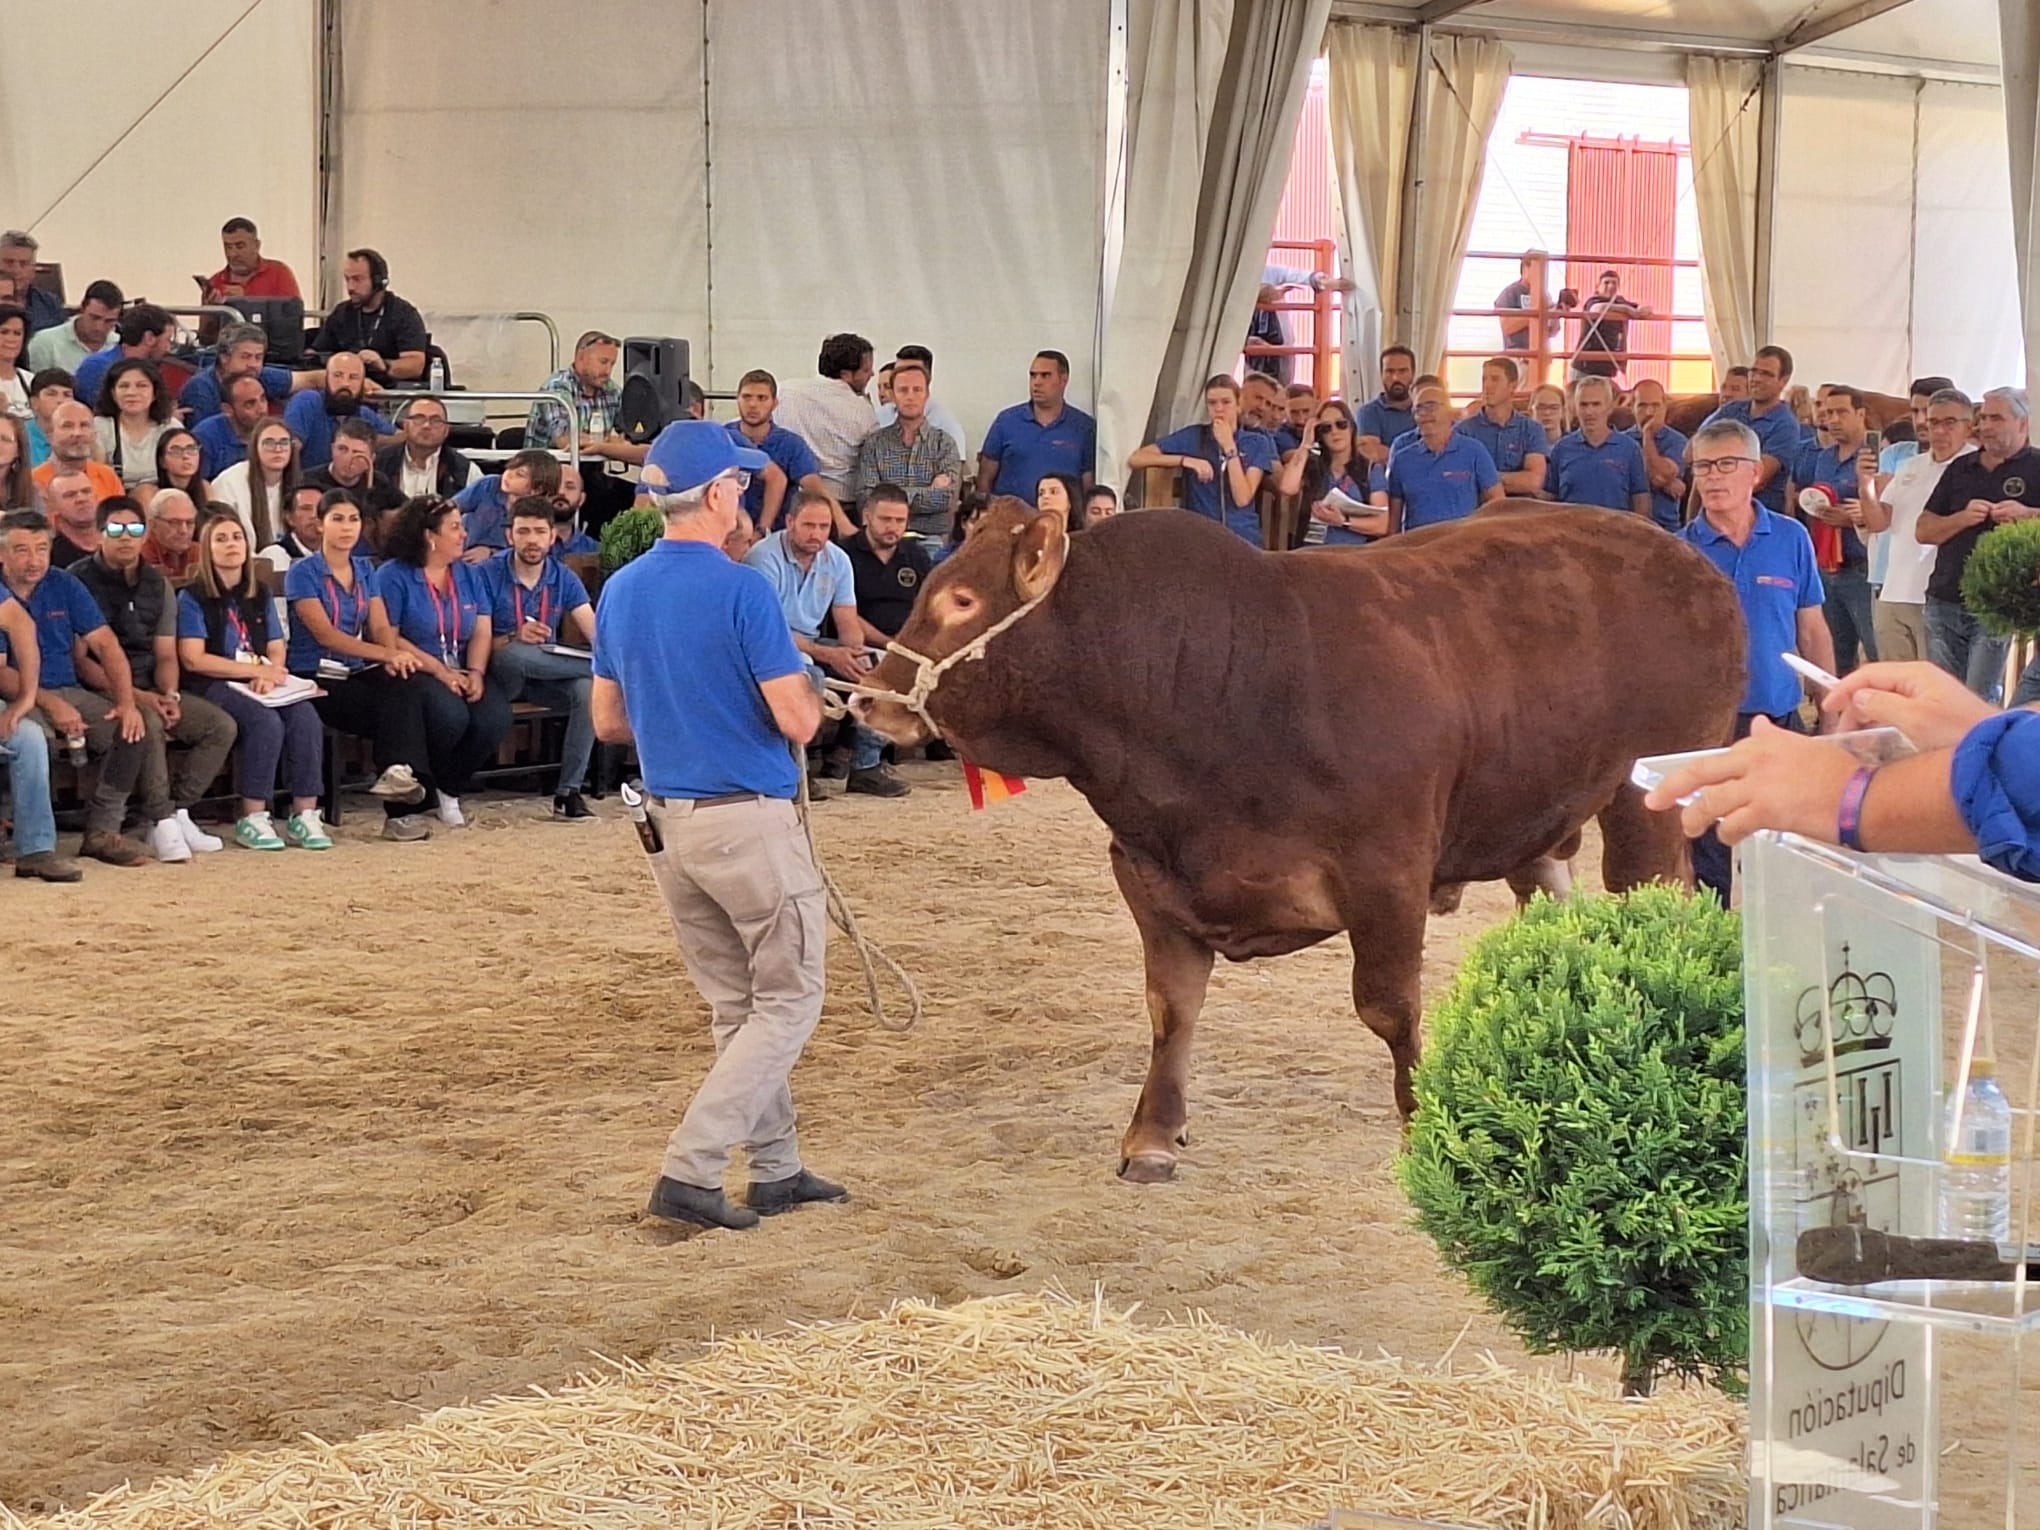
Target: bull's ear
[(1038, 554)]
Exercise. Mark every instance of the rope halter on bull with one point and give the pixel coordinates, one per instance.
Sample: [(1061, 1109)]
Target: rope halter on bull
[(928, 672)]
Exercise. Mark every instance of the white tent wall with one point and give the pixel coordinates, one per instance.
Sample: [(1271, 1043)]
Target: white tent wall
[(929, 174), (145, 216), (502, 162), (1965, 274)]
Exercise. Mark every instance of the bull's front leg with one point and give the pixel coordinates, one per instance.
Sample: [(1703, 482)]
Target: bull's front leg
[(1388, 962), (1178, 974)]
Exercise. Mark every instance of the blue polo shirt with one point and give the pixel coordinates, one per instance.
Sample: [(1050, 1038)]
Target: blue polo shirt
[(91, 372), (1837, 469), (200, 398), (62, 609), (576, 543), (805, 594), (485, 512), (438, 624), (1580, 473), (1384, 421), (1440, 486), (1664, 509), (558, 591), (789, 451), (220, 445), (690, 637), (1509, 444), (308, 416), (1286, 441), (1775, 579), (1213, 500), (1995, 779), (312, 579), (1777, 436), (1028, 451), (1347, 484)]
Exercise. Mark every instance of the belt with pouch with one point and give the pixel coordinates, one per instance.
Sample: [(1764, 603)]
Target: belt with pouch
[(698, 803)]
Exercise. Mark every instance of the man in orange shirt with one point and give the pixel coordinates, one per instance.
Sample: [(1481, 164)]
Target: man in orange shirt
[(246, 273), (71, 442)]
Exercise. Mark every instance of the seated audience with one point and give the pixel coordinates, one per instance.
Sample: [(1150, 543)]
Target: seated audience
[(914, 453), (259, 486), (887, 566), (792, 466), (73, 438), (373, 323), (1101, 502), (141, 609), (938, 416), (240, 353), (223, 437), (815, 582), (742, 538), (1664, 454), (1439, 475), (1548, 408), (1596, 464), (17, 479), (422, 463), (1261, 407), (313, 414), (1334, 463), (568, 539), (833, 416), (14, 369), (73, 509), (230, 640), (143, 333), (172, 543), (86, 332), (1735, 384), (536, 603), (17, 281), (1384, 420), (25, 750), (299, 538), (485, 503), (1222, 462), (247, 273), (1300, 416), (883, 381), (341, 637), (1515, 441), (439, 608), (1893, 507), (131, 415), (1047, 434), (597, 401), (47, 389), (65, 615), (179, 465), (1062, 494), (351, 468)]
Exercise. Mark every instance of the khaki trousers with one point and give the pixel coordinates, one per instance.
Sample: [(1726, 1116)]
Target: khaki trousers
[(1901, 630), (747, 908)]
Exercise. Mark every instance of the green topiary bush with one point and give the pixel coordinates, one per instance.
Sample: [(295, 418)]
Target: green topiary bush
[(1578, 1147), (628, 535), (2001, 580)]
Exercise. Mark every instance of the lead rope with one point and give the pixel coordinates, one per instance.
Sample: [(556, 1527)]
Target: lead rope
[(870, 954)]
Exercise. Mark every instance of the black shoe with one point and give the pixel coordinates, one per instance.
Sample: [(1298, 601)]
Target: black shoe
[(674, 1201), (937, 750), (569, 806), (772, 1196), (878, 781), (835, 768)]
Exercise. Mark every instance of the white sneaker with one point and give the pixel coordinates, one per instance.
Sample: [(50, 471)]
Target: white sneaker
[(168, 842), (398, 784), (196, 838), (449, 812)]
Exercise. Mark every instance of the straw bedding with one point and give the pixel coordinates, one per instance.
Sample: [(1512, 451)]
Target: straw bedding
[(1021, 1410)]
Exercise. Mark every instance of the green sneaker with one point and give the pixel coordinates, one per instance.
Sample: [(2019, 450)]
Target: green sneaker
[(255, 832), (306, 831)]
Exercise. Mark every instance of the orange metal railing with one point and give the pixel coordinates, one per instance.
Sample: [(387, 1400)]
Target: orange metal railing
[(1322, 306)]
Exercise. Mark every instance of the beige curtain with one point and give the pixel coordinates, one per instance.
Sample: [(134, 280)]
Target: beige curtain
[(1176, 50), (1372, 82), (1722, 100), (2019, 32)]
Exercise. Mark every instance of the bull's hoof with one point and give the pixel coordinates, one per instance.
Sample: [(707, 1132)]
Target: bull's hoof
[(1148, 1169), (1445, 899)]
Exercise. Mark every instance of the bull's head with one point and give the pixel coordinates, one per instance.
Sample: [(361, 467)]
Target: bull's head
[(1012, 555)]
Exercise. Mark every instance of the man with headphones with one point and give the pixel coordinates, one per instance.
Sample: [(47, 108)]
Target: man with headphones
[(387, 333)]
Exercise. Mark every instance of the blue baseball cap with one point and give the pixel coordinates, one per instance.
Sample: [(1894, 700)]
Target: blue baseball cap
[(688, 453)]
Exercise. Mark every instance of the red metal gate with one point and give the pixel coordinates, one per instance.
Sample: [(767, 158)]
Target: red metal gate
[(1622, 194)]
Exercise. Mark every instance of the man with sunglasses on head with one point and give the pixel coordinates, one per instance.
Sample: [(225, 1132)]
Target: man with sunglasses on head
[(141, 608), (587, 383), (422, 464), (1769, 558)]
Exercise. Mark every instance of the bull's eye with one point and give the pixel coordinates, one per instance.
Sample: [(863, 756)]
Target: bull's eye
[(963, 602)]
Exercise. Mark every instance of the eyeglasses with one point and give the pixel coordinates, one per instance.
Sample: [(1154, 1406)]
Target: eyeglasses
[(133, 529), (1710, 467), (739, 477), (181, 449)]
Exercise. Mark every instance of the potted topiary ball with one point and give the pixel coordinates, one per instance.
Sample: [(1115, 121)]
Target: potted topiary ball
[(627, 535), (2001, 580), (1578, 1148)]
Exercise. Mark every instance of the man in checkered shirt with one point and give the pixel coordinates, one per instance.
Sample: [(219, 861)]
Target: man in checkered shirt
[(915, 455)]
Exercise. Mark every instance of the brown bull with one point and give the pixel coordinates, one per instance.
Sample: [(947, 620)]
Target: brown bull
[(1289, 745)]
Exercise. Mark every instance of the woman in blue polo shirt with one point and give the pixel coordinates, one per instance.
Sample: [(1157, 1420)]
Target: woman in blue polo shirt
[(439, 609), (1223, 462), (1333, 461), (230, 637), (341, 637)]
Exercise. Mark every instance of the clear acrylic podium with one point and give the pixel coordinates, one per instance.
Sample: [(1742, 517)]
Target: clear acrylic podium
[(1872, 982)]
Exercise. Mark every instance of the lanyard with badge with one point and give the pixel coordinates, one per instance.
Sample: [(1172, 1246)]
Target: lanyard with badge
[(333, 593), (446, 622), (544, 601), (237, 630)]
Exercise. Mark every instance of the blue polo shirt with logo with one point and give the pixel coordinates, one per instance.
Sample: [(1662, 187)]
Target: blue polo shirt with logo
[(1775, 578), (201, 396), (805, 594), (1836, 468), (314, 423), (1440, 486), (789, 452), (1027, 451), (62, 609), (1509, 444), (1213, 500), (1581, 473), (347, 609), (1384, 421), (558, 591), (1664, 509), (1777, 436)]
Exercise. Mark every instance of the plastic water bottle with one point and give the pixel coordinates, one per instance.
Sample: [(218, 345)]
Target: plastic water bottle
[(1976, 1179)]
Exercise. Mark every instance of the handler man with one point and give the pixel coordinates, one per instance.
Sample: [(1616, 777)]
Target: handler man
[(694, 662)]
